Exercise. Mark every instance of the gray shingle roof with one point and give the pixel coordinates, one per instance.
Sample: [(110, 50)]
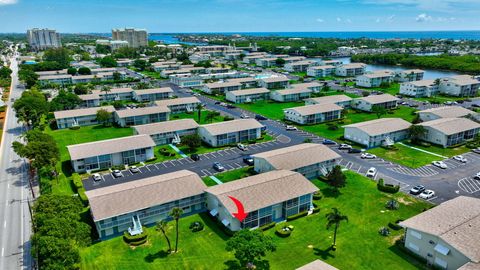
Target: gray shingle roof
[(231, 126), (449, 126), (381, 126), (262, 190), (81, 112), (137, 195), (168, 126), (91, 149)]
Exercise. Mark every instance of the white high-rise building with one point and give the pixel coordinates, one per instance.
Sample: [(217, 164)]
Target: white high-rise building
[(41, 39), (135, 37)]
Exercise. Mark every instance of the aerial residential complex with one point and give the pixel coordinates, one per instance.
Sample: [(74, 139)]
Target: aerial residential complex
[(135, 37)]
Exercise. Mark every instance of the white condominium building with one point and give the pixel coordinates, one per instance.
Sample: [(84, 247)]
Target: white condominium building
[(41, 39), (135, 37)]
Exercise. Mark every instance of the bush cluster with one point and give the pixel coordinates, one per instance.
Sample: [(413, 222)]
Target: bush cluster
[(77, 182), (136, 240), (196, 226), (283, 230), (388, 188), (267, 226), (299, 215)]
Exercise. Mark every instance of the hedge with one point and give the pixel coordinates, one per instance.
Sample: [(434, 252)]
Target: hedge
[(136, 240), (394, 226), (77, 180), (82, 196), (267, 226), (299, 215), (280, 232), (387, 187)]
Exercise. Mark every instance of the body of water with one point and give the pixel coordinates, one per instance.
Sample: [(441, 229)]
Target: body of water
[(456, 35), (430, 74)]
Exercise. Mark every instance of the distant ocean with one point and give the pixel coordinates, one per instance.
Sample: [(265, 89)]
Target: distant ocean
[(456, 35)]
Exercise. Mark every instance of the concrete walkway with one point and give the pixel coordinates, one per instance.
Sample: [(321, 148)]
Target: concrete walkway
[(216, 179), (421, 150), (178, 150)]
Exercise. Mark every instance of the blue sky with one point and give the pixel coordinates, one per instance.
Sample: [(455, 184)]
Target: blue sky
[(240, 15)]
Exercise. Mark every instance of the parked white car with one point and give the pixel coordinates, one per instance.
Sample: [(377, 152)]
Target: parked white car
[(96, 177), (290, 128), (460, 158), (371, 172), (427, 194), (368, 156), (344, 146), (134, 169), (242, 147), (440, 164)]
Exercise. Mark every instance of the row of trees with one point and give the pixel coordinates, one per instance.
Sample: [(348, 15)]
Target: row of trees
[(466, 63)]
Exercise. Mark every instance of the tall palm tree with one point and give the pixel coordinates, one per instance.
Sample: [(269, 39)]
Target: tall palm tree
[(175, 213), (162, 226), (199, 111), (333, 219)]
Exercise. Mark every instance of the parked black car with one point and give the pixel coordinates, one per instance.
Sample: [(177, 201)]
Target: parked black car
[(354, 151), (259, 117), (328, 142), (230, 106), (195, 157), (248, 160)]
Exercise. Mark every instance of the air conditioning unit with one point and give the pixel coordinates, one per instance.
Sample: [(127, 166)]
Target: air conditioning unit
[(429, 255), (431, 242)]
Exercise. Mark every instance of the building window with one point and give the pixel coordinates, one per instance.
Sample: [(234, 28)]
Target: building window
[(415, 234)]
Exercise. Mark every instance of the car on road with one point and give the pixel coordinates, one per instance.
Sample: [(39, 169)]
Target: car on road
[(291, 128), (248, 160), (476, 150), (417, 190), (371, 172), (244, 116), (427, 194), (475, 105), (460, 158), (230, 106), (344, 146), (223, 104), (477, 176), (217, 102), (448, 103), (196, 94), (354, 151), (96, 177), (368, 156), (440, 164), (134, 169), (259, 117), (117, 173), (195, 157), (242, 147), (218, 167), (328, 142)]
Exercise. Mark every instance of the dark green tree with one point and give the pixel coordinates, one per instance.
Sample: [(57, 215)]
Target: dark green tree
[(250, 246), (30, 107), (84, 71), (104, 116), (65, 101), (72, 71), (108, 61), (193, 141), (280, 61), (379, 110), (40, 148), (336, 178), (59, 55), (162, 226)]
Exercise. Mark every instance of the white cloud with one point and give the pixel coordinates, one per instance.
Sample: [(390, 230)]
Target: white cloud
[(348, 20), (320, 20), (339, 19), (7, 2), (430, 5), (423, 18), (378, 20)]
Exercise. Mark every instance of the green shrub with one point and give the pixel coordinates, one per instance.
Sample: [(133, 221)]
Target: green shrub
[(196, 226), (135, 239), (388, 188), (118, 167), (77, 180), (299, 215), (394, 226), (82, 196), (267, 226), (283, 230), (384, 231), (317, 195), (392, 205), (227, 118), (74, 128)]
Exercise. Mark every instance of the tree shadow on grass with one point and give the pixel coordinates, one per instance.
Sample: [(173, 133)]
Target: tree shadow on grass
[(324, 253), (215, 227), (150, 258), (331, 192), (235, 265)]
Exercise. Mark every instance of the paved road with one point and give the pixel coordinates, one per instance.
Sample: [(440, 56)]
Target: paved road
[(14, 214), (449, 183)]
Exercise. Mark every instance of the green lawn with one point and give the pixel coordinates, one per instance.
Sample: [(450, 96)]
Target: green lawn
[(270, 109), (405, 156), (230, 176), (65, 137), (352, 117), (194, 116), (448, 152), (393, 89), (359, 246)]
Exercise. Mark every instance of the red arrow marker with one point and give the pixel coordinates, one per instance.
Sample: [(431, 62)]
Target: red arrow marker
[(241, 215)]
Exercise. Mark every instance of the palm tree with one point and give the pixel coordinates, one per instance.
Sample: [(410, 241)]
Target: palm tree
[(105, 89), (199, 111), (334, 218), (162, 226), (415, 132), (175, 213)]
